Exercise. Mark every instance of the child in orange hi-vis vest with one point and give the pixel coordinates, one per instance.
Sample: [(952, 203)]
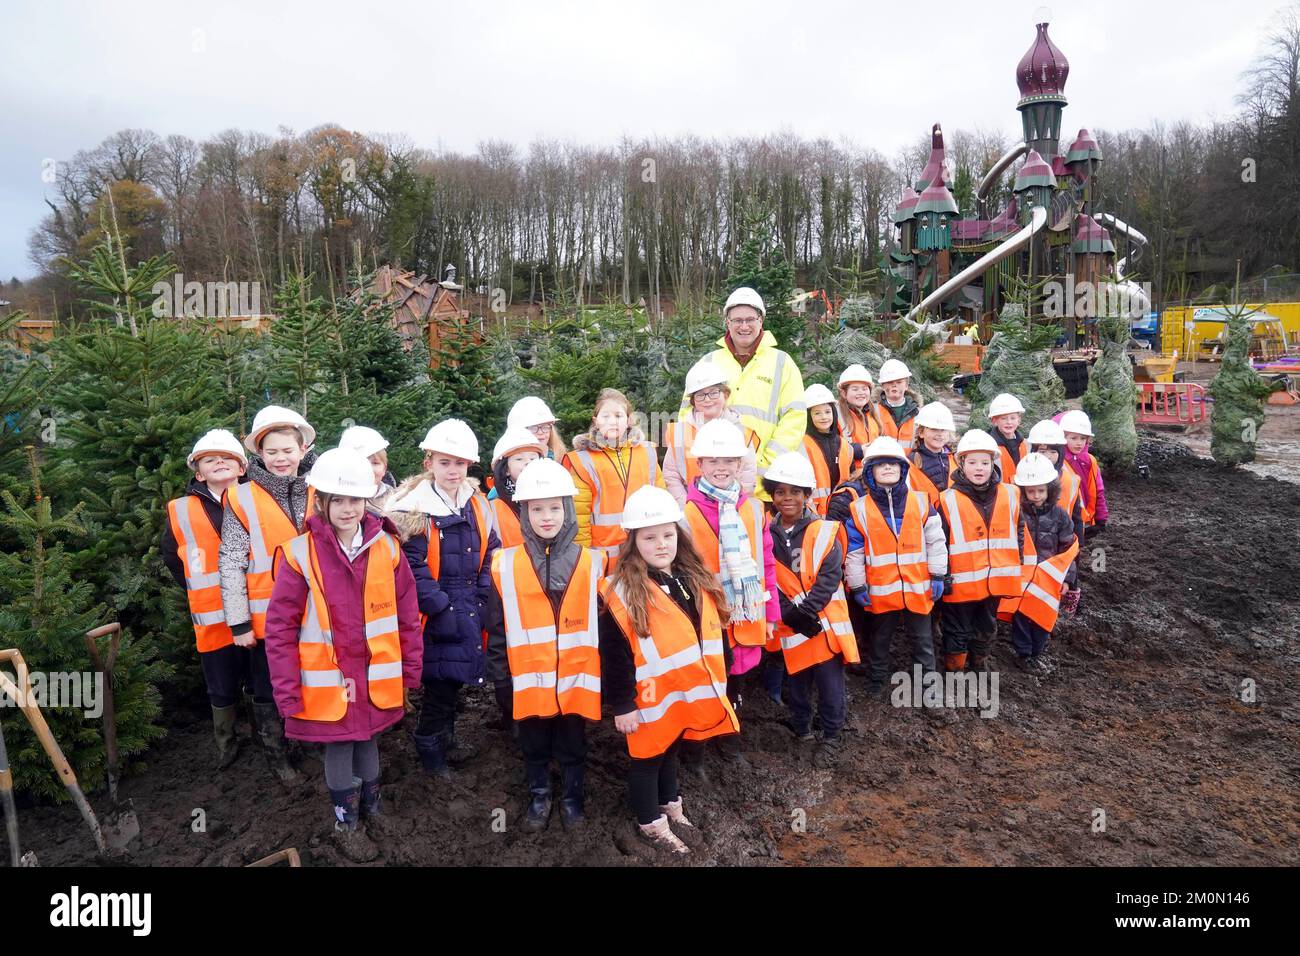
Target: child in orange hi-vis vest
[(547, 653), (608, 463), (1005, 414), (833, 457), (815, 636), (857, 416), (1050, 549), (664, 659), (930, 456), (983, 523), (191, 542), (261, 514), (898, 406), (343, 638), (513, 452)]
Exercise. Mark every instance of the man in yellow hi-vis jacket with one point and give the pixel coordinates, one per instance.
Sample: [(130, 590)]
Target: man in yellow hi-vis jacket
[(766, 384)]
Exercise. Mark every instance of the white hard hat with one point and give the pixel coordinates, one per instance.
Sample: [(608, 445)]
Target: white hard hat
[(977, 440), (648, 506), (791, 468), (273, 416), (856, 373), (363, 439), (1077, 422), (343, 471), (1035, 469), (1005, 404), (893, 370), (529, 411), (883, 447), (703, 374), (544, 478), (217, 440), (719, 439), (1046, 432), (745, 296), (936, 415), (452, 437), (817, 395), (516, 438)]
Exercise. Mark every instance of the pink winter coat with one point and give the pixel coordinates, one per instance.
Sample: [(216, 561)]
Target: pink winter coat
[(743, 658), (344, 583)]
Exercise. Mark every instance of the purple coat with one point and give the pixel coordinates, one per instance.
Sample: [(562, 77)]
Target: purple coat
[(344, 583)]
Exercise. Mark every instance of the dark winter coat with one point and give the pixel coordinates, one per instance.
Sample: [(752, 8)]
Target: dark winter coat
[(344, 583), (786, 548), (1050, 528), (934, 464), (455, 601)]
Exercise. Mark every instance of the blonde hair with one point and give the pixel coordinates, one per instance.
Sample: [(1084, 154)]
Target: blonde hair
[(848, 413), (632, 578)]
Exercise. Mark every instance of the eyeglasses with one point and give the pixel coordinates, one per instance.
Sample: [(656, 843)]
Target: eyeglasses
[(710, 395), (745, 322)]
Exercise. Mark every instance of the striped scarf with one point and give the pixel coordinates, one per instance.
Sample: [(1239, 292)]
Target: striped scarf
[(738, 570)]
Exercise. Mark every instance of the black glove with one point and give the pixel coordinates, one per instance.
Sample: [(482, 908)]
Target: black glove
[(812, 626), (947, 584), (799, 620), (1093, 530)]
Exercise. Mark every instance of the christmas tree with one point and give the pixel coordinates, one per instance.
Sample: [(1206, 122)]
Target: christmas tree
[(1238, 394), (761, 264), (1111, 397)]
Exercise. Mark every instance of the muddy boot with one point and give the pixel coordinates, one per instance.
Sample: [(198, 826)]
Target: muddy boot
[(979, 663), (349, 836), (223, 731), (571, 804), (660, 834), (825, 755), (270, 730), (370, 802), (691, 754), (684, 829), (505, 696), (539, 804), (433, 754), (729, 749), (458, 753), (953, 663)]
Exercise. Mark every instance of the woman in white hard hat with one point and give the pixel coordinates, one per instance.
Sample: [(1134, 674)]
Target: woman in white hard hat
[(983, 524), (374, 446), (706, 394), (534, 414), (343, 638), (448, 536), (262, 514), (858, 422), (898, 406), (1005, 415), (191, 542), (663, 661), (513, 452), (1050, 548), (731, 531), (547, 656)]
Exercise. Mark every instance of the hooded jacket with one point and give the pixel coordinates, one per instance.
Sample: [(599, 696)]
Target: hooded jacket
[(290, 493), (892, 502), (1050, 528)]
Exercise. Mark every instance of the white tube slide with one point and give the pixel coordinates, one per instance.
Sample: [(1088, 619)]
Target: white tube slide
[(1129, 231)]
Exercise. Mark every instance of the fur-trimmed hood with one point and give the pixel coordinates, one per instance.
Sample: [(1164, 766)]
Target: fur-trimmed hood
[(588, 441), (415, 500)]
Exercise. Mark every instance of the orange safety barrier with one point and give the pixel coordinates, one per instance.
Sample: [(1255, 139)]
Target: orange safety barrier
[(1171, 403)]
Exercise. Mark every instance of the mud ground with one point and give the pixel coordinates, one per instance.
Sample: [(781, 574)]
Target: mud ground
[(1192, 590)]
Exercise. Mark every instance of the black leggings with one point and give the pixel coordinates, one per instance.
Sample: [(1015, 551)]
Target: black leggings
[(230, 669), (652, 782), (438, 711)]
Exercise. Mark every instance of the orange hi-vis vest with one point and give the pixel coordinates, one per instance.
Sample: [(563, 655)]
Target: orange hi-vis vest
[(609, 491), (861, 428), (678, 438), (903, 433), (1009, 466), (1088, 490), (268, 528), (898, 576), (198, 545), (324, 692), (705, 539), (821, 496), (554, 656), (1071, 488), (918, 480), (801, 651), (506, 523), (983, 561), (1042, 583), (681, 676)]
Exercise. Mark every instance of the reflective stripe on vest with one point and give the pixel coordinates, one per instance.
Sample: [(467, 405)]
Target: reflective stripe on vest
[(983, 561), (268, 528), (1070, 490), (324, 691), (862, 429), (898, 575), (608, 493), (1043, 582), (198, 545), (772, 414), (799, 650), (705, 539), (821, 496), (554, 659), (681, 680)]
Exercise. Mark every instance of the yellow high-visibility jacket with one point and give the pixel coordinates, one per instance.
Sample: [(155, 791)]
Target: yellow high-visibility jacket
[(768, 395)]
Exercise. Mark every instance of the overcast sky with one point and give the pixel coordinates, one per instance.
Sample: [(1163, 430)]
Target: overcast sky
[(448, 75)]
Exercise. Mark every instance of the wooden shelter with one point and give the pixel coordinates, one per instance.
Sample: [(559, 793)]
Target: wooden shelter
[(421, 306)]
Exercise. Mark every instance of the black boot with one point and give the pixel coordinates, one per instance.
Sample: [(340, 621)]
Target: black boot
[(370, 805), (505, 696), (571, 812), (433, 754), (539, 806), (350, 838), (223, 731), (270, 730), (457, 752)]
